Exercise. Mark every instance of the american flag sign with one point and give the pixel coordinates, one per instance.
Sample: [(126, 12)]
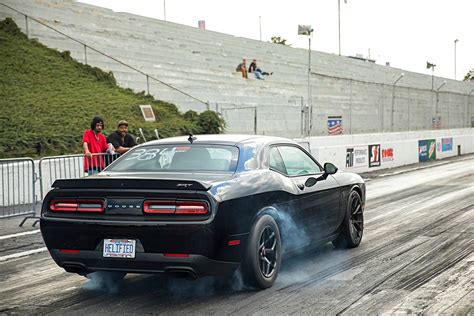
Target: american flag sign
[(335, 125)]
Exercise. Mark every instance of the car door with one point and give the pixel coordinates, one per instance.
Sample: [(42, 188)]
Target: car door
[(317, 206)]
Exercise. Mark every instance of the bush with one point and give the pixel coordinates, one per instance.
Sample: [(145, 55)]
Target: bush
[(209, 122), (48, 99)]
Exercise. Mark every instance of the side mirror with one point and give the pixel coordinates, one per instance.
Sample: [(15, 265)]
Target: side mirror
[(310, 182), (329, 168)]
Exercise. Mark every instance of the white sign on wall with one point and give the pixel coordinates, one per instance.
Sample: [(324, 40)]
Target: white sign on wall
[(147, 112), (356, 157)]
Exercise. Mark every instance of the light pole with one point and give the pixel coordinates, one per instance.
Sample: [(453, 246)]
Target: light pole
[(469, 109), (308, 31), (455, 42), (393, 99), (432, 66), (164, 10), (339, 21), (437, 95), (260, 24)]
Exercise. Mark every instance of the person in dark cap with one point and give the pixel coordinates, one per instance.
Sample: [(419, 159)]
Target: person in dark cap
[(93, 143), (121, 139)]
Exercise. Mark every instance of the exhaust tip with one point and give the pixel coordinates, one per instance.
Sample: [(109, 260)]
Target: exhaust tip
[(75, 268), (182, 272)]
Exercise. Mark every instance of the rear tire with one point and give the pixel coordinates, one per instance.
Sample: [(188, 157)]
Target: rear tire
[(262, 256), (352, 227)]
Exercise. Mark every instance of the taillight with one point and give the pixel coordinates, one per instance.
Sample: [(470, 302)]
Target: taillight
[(63, 205), (191, 207), (93, 206), (159, 207), (176, 207)]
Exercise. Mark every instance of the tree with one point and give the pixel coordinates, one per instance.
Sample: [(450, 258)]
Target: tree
[(279, 40), (210, 122), (469, 76)]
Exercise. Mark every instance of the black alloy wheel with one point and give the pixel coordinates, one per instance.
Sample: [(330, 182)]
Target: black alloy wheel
[(262, 255), (356, 219), (266, 251), (352, 227)]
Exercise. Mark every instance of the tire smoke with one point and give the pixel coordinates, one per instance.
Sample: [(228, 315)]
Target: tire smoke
[(104, 281)]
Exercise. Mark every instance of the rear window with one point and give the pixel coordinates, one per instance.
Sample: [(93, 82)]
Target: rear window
[(171, 158)]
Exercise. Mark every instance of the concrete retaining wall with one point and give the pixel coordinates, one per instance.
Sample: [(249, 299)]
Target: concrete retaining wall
[(202, 63), (368, 152)]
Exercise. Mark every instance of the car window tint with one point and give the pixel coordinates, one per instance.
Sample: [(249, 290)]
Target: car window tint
[(297, 162), (276, 162), (170, 158)]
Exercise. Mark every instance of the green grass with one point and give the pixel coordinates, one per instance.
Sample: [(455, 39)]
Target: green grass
[(46, 97)]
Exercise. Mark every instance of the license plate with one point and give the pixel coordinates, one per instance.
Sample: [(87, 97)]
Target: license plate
[(119, 248)]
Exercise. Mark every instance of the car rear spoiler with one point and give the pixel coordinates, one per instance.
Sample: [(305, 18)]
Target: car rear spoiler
[(91, 183)]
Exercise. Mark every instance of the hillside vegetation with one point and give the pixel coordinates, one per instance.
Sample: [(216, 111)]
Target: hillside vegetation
[(47, 100)]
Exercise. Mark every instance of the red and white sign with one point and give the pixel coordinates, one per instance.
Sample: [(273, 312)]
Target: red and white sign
[(387, 154)]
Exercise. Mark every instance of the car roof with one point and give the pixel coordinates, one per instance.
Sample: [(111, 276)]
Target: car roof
[(224, 139)]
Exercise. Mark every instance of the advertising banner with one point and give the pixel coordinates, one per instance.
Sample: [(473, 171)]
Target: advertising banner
[(447, 144), (387, 154), (356, 157), (427, 150), (374, 156)]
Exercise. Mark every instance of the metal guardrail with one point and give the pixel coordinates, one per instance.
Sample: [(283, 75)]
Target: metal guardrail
[(17, 180), (70, 167)]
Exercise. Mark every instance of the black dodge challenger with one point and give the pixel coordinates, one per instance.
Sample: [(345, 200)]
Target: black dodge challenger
[(203, 205)]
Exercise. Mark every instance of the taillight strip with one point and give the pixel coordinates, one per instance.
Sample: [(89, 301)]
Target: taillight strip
[(176, 207), (159, 207), (95, 206)]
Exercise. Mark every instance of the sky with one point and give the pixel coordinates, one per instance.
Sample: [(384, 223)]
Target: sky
[(406, 33)]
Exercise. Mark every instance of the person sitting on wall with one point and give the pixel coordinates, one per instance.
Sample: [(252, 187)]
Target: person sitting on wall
[(242, 67), (253, 68)]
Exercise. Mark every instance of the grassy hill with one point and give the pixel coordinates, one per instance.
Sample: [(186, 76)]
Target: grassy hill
[(48, 98)]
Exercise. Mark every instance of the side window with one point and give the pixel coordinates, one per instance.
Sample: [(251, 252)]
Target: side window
[(297, 162), (276, 162)]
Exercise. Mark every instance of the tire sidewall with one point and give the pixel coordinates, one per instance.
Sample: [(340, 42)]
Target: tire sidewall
[(353, 242), (251, 264)]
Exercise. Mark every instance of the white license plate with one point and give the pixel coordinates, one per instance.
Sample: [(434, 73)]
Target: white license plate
[(119, 248)]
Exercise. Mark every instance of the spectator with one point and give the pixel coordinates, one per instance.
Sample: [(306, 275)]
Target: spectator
[(121, 139), (93, 142), (257, 71), (242, 67)]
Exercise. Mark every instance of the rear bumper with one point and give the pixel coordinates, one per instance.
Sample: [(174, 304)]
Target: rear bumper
[(206, 249), (86, 262)]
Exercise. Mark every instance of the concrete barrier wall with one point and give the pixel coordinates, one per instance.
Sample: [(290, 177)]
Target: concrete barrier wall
[(368, 152), (202, 63)]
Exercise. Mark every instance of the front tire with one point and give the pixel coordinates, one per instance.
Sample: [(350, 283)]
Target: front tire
[(262, 257), (352, 227)]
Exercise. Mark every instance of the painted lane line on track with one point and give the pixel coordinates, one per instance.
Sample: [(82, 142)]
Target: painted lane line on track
[(23, 254), (20, 234)]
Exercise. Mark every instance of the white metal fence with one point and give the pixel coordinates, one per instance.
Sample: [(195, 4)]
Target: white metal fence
[(24, 182), (17, 180)]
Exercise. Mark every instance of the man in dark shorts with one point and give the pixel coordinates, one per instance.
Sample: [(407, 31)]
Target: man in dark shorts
[(121, 139), (93, 142)]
